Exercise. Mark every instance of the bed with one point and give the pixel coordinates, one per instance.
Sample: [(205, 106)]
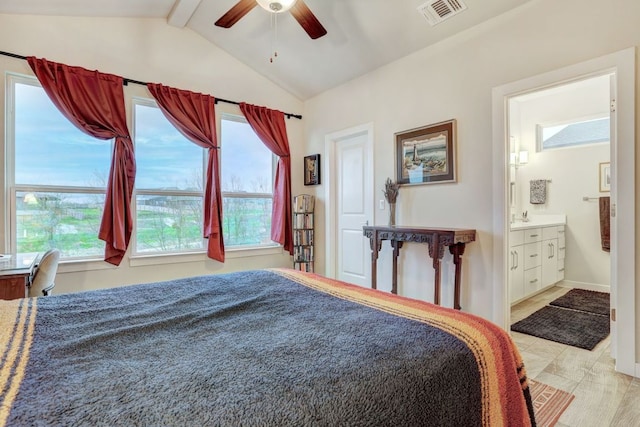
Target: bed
[(268, 347)]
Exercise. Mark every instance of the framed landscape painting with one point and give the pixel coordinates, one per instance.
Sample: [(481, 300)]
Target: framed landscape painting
[(426, 155)]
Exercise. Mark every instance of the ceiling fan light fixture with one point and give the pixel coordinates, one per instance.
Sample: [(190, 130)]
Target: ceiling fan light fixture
[(276, 6)]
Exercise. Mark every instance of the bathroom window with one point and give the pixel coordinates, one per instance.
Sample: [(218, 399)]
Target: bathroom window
[(572, 134)]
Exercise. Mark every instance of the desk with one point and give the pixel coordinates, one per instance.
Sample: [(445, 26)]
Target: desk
[(436, 239), (16, 271)]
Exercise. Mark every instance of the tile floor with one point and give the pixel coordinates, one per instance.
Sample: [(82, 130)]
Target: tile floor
[(603, 397)]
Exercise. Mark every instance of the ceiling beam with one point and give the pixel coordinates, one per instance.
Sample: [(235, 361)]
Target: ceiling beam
[(182, 12)]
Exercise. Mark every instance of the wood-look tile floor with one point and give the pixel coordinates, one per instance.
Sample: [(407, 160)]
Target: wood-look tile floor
[(603, 397)]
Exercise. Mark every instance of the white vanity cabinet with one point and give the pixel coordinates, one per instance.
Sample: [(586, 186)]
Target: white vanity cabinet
[(561, 251), (516, 264), (536, 259), (550, 256)]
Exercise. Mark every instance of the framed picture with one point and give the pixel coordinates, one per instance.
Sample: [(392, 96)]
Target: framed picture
[(426, 155), (605, 177), (312, 169)]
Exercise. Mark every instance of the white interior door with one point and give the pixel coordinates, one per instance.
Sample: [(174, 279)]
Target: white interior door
[(351, 205)]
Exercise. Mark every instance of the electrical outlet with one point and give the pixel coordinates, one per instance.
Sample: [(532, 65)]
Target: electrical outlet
[(381, 204)]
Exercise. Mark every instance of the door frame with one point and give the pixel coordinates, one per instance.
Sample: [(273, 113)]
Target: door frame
[(331, 141), (623, 232)]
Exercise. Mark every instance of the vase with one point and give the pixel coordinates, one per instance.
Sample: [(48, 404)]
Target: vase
[(392, 214)]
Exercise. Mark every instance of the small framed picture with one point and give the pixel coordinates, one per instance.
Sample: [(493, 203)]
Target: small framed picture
[(605, 177), (426, 155), (312, 169)]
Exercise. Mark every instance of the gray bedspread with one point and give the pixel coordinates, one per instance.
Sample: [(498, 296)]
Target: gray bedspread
[(243, 349)]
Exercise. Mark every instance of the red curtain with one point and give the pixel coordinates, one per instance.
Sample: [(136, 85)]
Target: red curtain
[(94, 103), (270, 127), (193, 114)]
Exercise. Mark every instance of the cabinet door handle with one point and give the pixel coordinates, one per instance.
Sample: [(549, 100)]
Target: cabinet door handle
[(561, 269), (533, 255), (553, 250), (533, 235), (516, 258), (533, 281)]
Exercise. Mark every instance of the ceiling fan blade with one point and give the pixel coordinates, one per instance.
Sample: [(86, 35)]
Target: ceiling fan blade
[(307, 20), (236, 13)]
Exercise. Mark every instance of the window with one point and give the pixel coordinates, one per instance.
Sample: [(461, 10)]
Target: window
[(169, 185), (247, 167), (574, 133), (57, 178)]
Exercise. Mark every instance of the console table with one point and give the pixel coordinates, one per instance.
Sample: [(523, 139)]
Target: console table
[(436, 239)]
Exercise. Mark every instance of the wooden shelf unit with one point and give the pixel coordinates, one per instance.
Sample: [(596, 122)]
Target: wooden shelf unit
[(303, 233)]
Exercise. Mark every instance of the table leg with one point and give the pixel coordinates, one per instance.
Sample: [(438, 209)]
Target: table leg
[(375, 244), (457, 250), (436, 252), (396, 245)]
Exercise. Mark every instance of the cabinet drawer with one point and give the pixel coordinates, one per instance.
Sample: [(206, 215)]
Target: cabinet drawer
[(532, 235), (532, 255), (516, 237), (12, 287), (532, 278), (549, 233)]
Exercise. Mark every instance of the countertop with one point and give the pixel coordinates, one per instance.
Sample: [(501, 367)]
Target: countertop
[(539, 221)]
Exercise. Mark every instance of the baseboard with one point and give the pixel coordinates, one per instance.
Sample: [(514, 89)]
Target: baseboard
[(584, 285)]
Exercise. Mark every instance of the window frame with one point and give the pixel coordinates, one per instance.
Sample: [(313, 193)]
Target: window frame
[(12, 189), (239, 118), (133, 244), (541, 126)]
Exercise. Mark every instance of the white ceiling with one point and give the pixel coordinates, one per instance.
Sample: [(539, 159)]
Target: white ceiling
[(362, 34)]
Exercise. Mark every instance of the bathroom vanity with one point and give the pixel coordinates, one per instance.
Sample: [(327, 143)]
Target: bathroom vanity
[(536, 255)]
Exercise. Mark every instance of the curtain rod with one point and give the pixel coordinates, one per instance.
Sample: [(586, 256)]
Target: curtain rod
[(126, 81)]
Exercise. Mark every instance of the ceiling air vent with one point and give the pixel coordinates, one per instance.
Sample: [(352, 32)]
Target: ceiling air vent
[(436, 11)]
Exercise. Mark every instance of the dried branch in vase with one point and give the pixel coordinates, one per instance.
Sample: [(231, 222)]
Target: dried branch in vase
[(390, 190)]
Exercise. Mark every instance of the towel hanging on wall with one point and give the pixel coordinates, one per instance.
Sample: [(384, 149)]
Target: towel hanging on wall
[(605, 213), (538, 191)]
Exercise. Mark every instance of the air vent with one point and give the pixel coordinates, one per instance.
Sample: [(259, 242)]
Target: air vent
[(436, 11)]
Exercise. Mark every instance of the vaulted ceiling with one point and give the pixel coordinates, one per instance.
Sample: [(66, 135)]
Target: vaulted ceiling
[(362, 35)]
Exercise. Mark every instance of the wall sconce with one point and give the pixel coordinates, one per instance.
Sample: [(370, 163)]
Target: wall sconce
[(523, 158), (519, 159)]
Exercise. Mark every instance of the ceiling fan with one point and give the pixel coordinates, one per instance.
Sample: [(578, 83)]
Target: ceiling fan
[(298, 9)]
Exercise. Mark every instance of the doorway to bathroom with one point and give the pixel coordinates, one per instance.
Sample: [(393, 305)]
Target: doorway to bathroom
[(559, 203), (544, 186)]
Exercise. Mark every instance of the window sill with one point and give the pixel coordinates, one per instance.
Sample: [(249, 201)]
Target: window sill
[(143, 260), (83, 265), (72, 266)]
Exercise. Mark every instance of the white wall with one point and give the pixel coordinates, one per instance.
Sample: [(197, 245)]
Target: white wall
[(454, 80), (147, 50), (574, 173)]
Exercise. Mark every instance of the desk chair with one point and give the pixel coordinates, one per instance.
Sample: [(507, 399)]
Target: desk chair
[(43, 279)]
